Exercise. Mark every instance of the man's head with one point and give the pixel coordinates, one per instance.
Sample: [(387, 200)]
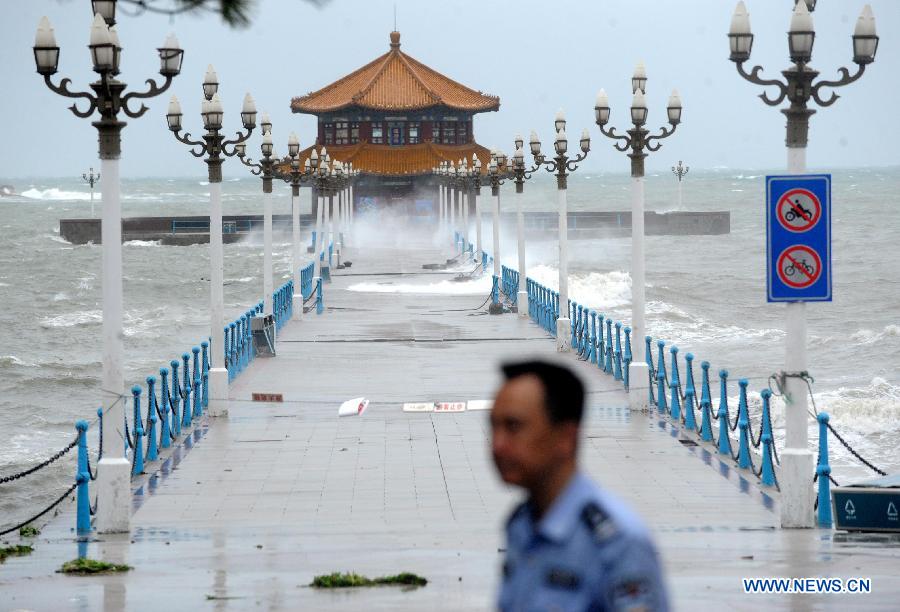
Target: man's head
[(534, 422)]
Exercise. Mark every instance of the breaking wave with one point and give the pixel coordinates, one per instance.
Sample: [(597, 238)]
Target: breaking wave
[(54, 193), (72, 319), (868, 336)]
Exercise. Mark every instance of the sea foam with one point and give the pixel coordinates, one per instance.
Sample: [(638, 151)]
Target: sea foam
[(54, 193)]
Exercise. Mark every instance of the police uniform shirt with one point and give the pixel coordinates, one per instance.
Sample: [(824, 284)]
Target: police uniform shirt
[(588, 552)]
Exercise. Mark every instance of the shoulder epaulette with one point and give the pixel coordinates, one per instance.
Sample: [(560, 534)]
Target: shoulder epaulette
[(598, 522)]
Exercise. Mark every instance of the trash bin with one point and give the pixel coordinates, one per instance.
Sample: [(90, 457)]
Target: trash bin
[(263, 330)]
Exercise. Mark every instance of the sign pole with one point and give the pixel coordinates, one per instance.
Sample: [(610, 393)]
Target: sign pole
[(796, 459)]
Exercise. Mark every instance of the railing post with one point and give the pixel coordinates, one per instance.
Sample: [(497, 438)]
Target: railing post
[(226, 351), (186, 392), (767, 474), (137, 433), (651, 370), (705, 420), (724, 426), (152, 452), (661, 404), (743, 425), (690, 392), (205, 346), (165, 433), (618, 373), (198, 404), (593, 340), (628, 358), (705, 393), (689, 423), (823, 470), (320, 302), (175, 399), (576, 328), (608, 366), (198, 409), (83, 479), (545, 308), (230, 362), (530, 301), (675, 386), (601, 347)]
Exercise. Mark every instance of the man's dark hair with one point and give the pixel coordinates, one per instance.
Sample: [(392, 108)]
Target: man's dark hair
[(563, 391)]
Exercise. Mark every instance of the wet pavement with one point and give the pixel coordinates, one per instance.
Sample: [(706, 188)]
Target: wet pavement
[(249, 508)]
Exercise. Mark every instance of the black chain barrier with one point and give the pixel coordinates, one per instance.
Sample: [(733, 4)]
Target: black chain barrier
[(42, 465), (805, 377), (42, 512)]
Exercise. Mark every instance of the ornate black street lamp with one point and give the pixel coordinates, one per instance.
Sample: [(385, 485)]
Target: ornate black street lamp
[(637, 143), (680, 171), (520, 175), (108, 100), (213, 148), (265, 169), (799, 87), (561, 165)]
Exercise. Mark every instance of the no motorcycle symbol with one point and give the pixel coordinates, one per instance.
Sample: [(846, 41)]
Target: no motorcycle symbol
[(799, 266), (798, 210)]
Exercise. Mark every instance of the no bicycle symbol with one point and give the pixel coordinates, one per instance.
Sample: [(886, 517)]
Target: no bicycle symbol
[(798, 210), (799, 266), (798, 238)]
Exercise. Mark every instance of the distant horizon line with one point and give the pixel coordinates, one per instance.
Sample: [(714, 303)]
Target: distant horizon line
[(713, 169)]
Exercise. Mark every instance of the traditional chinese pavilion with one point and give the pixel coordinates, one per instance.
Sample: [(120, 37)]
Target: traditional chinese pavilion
[(395, 119)]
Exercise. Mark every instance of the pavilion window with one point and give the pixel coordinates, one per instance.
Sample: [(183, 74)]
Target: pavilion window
[(436, 132), (329, 133), (341, 133), (448, 132), (413, 132), (462, 136), (377, 132), (354, 133)]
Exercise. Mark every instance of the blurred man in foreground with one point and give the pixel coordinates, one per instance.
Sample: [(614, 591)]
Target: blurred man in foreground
[(570, 544)]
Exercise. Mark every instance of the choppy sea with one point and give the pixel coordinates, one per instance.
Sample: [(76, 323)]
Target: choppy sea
[(705, 293)]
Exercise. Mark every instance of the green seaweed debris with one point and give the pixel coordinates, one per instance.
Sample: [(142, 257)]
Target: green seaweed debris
[(29, 531), (85, 567), (337, 580), (15, 551)]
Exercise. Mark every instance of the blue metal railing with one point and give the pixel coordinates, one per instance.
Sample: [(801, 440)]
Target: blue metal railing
[(510, 284), (667, 391), (306, 281), (174, 406)]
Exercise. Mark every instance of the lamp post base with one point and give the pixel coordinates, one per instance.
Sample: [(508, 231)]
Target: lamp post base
[(795, 477), (114, 495), (638, 379), (563, 335), (522, 303), (218, 392)]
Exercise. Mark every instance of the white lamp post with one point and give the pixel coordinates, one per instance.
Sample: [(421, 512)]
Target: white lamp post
[(561, 165), (521, 174), (798, 88), (637, 141), (214, 147), (265, 169), (109, 97)]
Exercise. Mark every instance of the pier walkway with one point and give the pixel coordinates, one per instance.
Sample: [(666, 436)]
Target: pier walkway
[(246, 511)]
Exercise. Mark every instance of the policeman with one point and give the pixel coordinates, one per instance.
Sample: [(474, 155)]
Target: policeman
[(571, 545)]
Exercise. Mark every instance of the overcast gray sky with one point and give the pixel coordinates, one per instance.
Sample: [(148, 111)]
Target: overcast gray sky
[(537, 56)]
